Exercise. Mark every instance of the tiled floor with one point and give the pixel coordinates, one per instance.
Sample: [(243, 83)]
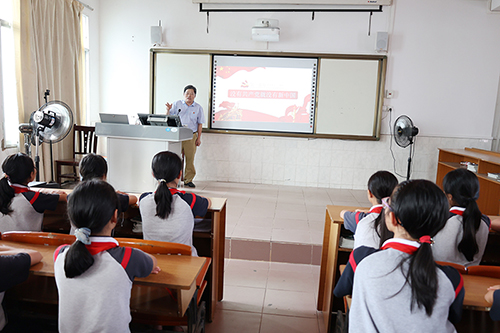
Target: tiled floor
[(270, 296)]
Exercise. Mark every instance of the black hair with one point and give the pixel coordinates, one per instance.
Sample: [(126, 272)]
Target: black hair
[(92, 204), (381, 184), (166, 168), (422, 210), (463, 186), (93, 166), (190, 86), (17, 168)]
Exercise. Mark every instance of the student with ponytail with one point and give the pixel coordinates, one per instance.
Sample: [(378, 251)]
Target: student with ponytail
[(463, 239), (21, 209), (400, 288), (94, 275), (168, 214), (369, 227)]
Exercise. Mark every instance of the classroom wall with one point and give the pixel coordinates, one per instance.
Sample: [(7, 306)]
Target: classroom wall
[(442, 65)]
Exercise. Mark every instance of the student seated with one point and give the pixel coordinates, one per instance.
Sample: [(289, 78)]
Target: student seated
[(464, 237), (368, 227), (493, 297), (21, 209), (94, 275), (94, 166), (400, 288), (14, 267), (168, 214)]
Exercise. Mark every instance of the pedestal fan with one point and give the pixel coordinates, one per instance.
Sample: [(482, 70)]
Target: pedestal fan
[(51, 123), (404, 131)]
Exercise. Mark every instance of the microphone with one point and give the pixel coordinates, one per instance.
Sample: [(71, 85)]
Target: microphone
[(179, 111)]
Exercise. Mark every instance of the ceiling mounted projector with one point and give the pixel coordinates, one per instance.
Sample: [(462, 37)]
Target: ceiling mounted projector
[(266, 30)]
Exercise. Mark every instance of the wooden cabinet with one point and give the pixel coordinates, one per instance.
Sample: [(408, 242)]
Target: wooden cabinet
[(487, 161)]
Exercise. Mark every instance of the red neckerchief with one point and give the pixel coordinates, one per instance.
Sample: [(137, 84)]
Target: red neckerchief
[(457, 210), (376, 209), (100, 244), (402, 245), (19, 188), (174, 191)]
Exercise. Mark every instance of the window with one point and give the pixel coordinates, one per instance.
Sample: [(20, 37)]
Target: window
[(8, 93)]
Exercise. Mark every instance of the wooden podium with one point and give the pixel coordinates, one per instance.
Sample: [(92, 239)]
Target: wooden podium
[(487, 161)]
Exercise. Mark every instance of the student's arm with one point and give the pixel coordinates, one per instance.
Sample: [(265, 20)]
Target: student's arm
[(15, 265), (62, 195), (35, 256), (345, 284), (132, 199), (351, 219), (493, 297), (495, 223), (455, 313), (156, 269)]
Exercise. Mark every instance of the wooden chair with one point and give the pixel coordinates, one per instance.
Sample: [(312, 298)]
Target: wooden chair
[(84, 142), (484, 270), (150, 304), (460, 268)]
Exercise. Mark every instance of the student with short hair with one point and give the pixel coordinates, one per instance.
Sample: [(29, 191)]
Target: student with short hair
[(400, 288), (369, 227), (21, 209), (463, 239), (15, 266), (94, 275), (94, 166), (168, 214)]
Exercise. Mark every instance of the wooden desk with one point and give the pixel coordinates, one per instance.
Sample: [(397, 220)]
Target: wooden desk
[(178, 273), (208, 244), (329, 260), (487, 161), (475, 288)]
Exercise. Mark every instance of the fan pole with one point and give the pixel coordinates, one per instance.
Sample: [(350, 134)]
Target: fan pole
[(51, 163), (37, 158), (409, 162)]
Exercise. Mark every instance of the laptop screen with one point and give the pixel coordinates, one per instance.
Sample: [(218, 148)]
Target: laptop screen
[(113, 118)]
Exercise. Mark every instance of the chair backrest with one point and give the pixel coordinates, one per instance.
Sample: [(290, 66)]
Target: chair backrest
[(52, 238), (35, 237), (484, 270), (155, 247), (84, 140), (460, 268)]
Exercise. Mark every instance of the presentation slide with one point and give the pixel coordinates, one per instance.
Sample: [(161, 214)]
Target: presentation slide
[(262, 93)]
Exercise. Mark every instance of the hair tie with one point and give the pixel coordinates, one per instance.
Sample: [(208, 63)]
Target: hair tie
[(162, 181), (426, 239), (83, 235)]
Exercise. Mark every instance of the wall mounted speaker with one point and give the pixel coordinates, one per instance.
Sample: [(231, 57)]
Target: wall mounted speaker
[(382, 41)]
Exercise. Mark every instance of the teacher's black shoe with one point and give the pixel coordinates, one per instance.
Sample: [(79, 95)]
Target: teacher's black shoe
[(190, 184)]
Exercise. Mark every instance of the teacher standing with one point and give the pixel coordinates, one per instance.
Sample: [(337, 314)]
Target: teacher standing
[(192, 116)]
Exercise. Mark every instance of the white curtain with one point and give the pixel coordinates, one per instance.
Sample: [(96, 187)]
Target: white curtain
[(49, 46), (495, 145)]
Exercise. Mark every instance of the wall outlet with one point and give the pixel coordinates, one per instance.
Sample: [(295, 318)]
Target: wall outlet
[(389, 94)]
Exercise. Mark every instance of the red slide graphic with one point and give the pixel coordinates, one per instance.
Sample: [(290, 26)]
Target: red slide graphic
[(227, 71)]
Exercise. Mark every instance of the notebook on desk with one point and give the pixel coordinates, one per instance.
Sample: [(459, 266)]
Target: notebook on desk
[(113, 118)]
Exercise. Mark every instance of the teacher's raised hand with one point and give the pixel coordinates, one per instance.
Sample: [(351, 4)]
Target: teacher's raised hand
[(169, 106)]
